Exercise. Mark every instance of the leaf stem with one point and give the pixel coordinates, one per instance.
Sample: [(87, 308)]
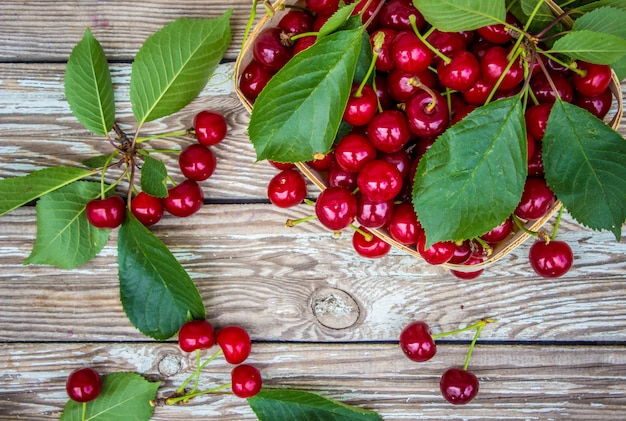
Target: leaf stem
[(249, 23), (481, 322), (160, 136), (479, 328)]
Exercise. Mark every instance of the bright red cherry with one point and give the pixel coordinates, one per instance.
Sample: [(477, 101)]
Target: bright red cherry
[(395, 15), (536, 199), (409, 53), (106, 213), (210, 127), (371, 248), (493, 64), (499, 233), (197, 162), (147, 209), (323, 163), (361, 106), (403, 225), (253, 79), (417, 342), (498, 33), (448, 43), (402, 85), (550, 259), (235, 343), (379, 180), (196, 334), (335, 208), (478, 93), (461, 72), (389, 131), (184, 199), (438, 253), (272, 48), (596, 78), (287, 188), (83, 384), (246, 381), (458, 386), (427, 113), (372, 213), (462, 252), (353, 151)]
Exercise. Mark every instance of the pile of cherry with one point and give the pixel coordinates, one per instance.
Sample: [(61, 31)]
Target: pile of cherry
[(416, 95), (197, 163)]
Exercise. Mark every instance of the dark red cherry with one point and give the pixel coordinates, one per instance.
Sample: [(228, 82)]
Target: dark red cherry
[(372, 247), (596, 78), (462, 252), (409, 53), (438, 253), (448, 43), (272, 48), (184, 199), (338, 177), (493, 64), (383, 60), (297, 21), (550, 259), (303, 43), (499, 233), (106, 213), (416, 342), (287, 188), (478, 93), (373, 213), (427, 113), (324, 7), (389, 131), (322, 163), (147, 209), (598, 105), (253, 79), (402, 85), (536, 118), (536, 200), (458, 386), (401, 159), (535, 161), (473, 274), (395, 15), (379, 180), (543, 91), (335, 208), (403, 225)]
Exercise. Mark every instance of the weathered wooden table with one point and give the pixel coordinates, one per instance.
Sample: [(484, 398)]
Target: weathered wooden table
[(322, 319)]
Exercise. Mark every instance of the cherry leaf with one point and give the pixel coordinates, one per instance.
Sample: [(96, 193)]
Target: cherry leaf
[(584, 165), (618, 4), (17, 191), (337, 19), (65, 238), (88, 86), (156, 291), (608, 20), (473, 176), (461, 15), (289, 405), (174, 64), (590, 46), (124, 397), (290, 124), (154, 177)]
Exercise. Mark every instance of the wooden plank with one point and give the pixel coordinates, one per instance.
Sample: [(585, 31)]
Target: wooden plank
[(532, 382), (243, 260), (120, 26)]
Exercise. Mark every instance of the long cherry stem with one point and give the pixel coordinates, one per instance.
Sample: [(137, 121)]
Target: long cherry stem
[(476, 325), (479, 328)]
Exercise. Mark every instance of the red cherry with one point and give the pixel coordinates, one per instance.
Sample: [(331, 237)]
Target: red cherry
[(403, 225), (543, 90), (323, 163), (196, 334), (536, 118), (353, 151), (498, 33), (458, 386), (427, 114), (461, 73), (467, 275), (448, 43), (596, 78), (184, 199), (287, 188), (409, 53), (389, 131), (147, 209), (550, 259), (303, 43), (360, 109), (494, 62), (373, 213), (402, 85), (253, 79), (235, 343), (210, 127), (83, 384), (323, 7), (272, 48), (478, 93), (246, 381), (297, 22), (384, 63), (536, 199), (395, 15), (281, 165), (372, 248), (438, 253), (417, 342), (338, 177), (598, 105), (197, 162), (462, 252), (335, 208), (499, 233), (106, 213), (379, 180)]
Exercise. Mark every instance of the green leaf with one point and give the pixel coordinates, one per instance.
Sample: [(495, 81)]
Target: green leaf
[(619, 67), (521, 10), (608, 20), (298, 113), (289, 405), (364, 61), (154, 177), (65, 238), (461, 15), (585, 166), (156, 291), (97, 161), (337, 19), (473, 176), (594, 47), (618, 4), (174, 64), (88, 86), (124, 397), (17, 191)]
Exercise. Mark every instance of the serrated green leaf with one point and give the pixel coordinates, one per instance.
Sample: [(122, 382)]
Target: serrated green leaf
[(97, 161), (174, 64), (522, 10), (608, 20), (156, 291), (619, 67), (585, 166), (17, 191), (289, 405), (337, 19), (593, 47), (619, 4), (88, 86), (154, 177), (298, 113), (473, 176), (65, 238), (124, 397), (461, 15)]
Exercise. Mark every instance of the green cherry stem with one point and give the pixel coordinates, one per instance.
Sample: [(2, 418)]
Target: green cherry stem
[(367, 235), (84, 414), (479, 328), (476, 325), (249, 23), (379, 39), (520, 225), (175, 400), (556, 224), (293, 222), (181, 388), (422, 38), (162, 135)]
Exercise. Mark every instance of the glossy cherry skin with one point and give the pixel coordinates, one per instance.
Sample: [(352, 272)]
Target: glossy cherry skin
[(543, 91), (395, 15), (335, 208), (322, 7), (338, 177), (272, 48), (389, 131), (462, 252), (536, 199), (402, 85), (499, 233), (478, 93), (401, 159), (253, 79), (147, 209), (404, 226), (246, 381), (438, 253), (427, 115), (448, 43), (210, 127), (361, 107), (536, 118), (458, 386), (372, 248), (598, 105), (184, 199), (596, 79), (235, 343), (384, 63), (550, 259), (493, 64), (461, 72), (197, 162), (303, 43), (409, 53), (83, 384), (354, 151), (417, 342), (196, 334), (106, 213), (467, 275), (373, 213), (287, 188), (297, 21), (379, 180), (322, 163), (498, 33)]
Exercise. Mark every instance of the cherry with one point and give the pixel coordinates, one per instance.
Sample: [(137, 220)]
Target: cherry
[(235, 343), (461, 72), (462, 252), (536, 118), (297, 21), (196, 334), (147, 209), (596, 78), (210, 127), (409, 53), (535, 160), (338, 177), (543, 91), (323, 163), (83, 384), (550, 259), (379, 180), (598, 105), (427, 113), (184, 199), (438, 253), (287, 188), (478, 93), (353, 151), (536, 199), (272, 48), (395, 15), (373, 213), (402, 85), (494, 62), (458, 386), (368, 12), (106, 213), (401, 159), (384, 63), (303, 43), (281, 165), (382, 92), (461, 113), (361, 106), (389, 131), (417, 342), (371, 248), (197, 162), (335, 208), (323, 7), (467, 275), (499, 233), (498, 33), (246, 381), (448, 43), (253, 79), (403, 226)]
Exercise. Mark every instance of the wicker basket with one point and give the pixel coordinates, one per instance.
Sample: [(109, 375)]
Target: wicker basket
[(499, 250)]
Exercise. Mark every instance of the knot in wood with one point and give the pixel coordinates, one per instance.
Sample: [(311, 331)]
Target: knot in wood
[(335, 308)]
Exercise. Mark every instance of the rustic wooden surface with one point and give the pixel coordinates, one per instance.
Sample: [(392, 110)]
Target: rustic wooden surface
[(322, 319)]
